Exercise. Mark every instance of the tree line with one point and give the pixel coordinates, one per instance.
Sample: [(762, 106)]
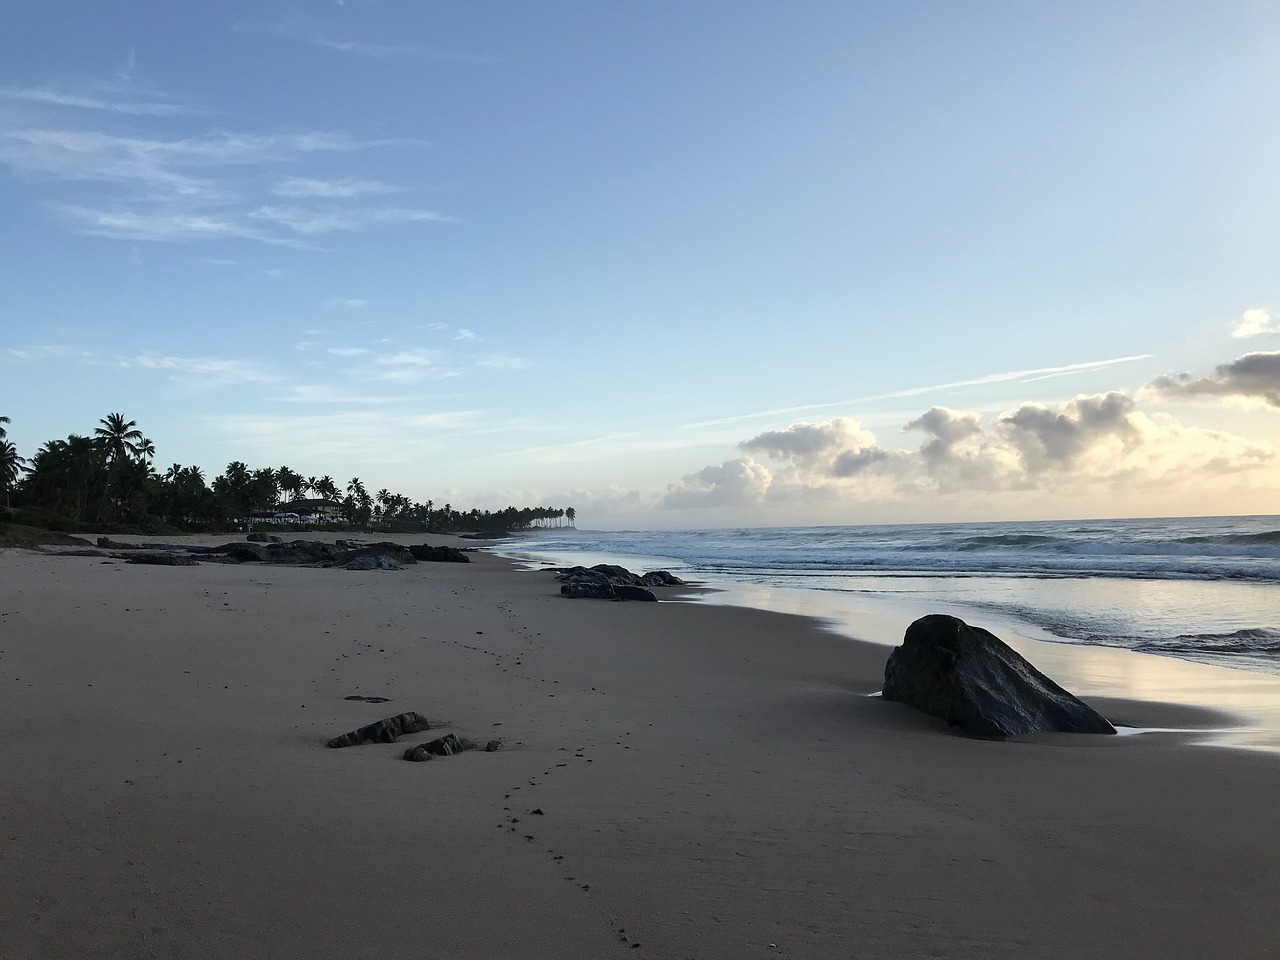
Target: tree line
[(109, 479)]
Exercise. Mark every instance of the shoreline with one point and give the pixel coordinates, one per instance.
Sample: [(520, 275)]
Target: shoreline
[(1149, 694), (712, 780)]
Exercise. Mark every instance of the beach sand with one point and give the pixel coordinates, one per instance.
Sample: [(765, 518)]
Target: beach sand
[(714, 782)]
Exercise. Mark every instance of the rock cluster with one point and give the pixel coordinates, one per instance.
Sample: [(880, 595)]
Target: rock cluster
[(268, 548), (447, 746), (974, 681), (607, 581), (383, 731)]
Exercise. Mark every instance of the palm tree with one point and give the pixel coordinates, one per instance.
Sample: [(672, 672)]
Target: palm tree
[(3, 432), (11, 465), (290, 483), (326, 488), (120, 437), (145, 449)]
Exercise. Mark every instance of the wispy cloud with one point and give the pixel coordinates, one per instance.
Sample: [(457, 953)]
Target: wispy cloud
[(49, 96), (346, 303), (333, 219), (504, 361), (1027, 375), (367, 437), (44, 351), (328, 394), (187, 188), (205, 371), (160, 226), (363, 48), (462, 333), (331, 189), (348, 351), (410, 366)]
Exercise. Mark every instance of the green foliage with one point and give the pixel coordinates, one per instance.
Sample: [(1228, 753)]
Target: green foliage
[(106, 482)]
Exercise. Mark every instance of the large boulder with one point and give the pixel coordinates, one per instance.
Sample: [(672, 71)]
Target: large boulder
[(439, 554), (607, 581), (382, 552), (974, 681), (372, 561)]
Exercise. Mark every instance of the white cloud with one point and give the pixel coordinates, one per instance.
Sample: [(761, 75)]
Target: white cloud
[(161, 226), (327, 393), (186, 188), (347, 188), (206, 371), (1082, 447), (348, 351), (338, 219), (504, 361), (411, 366), (734, 483), (463, 333), (346, 303), (1254, 323), (364, 437), (42, 351), (48, 96)]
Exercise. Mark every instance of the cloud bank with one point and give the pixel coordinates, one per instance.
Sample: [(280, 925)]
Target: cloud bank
[(1086, 446), (1252, 377)]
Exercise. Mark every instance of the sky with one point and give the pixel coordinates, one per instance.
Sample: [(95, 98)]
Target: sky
[(674, 264)]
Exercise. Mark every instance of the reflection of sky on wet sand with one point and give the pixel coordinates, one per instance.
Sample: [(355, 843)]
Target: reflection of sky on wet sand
[(1087, 671)]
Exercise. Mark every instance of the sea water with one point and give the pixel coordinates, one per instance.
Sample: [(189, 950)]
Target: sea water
[(1201, 589)]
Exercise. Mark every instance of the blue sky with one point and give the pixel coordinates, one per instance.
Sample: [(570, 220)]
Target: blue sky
[(676, 264)]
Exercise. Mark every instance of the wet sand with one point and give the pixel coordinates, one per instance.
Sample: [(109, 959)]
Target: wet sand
[(713, 782)]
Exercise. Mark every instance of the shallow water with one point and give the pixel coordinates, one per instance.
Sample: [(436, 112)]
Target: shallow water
[(1216, 637)]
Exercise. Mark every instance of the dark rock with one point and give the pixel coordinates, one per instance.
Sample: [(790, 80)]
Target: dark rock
[(300, 551), (33, 541), (263, 538), (163, 559), (589, 590), (384, 731), (356, 696), (492, 746), (439, 554), (607, 581), (660, 578), (627, 592), (246, 552), (445, 746), (373, 561), (106, 543), (974, 681), (389, 551)]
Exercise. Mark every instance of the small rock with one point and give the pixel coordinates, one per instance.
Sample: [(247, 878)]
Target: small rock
[(445, 746)]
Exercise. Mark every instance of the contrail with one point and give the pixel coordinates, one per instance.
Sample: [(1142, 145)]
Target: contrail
[(1039, 373)]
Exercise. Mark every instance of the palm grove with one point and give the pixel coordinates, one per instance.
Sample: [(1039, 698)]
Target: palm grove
[(109, 478)]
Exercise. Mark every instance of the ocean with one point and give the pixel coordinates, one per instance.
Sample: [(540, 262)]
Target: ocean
[(1199, 589)]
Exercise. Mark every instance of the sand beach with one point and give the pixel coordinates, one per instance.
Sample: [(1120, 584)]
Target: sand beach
[(677, 780)]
